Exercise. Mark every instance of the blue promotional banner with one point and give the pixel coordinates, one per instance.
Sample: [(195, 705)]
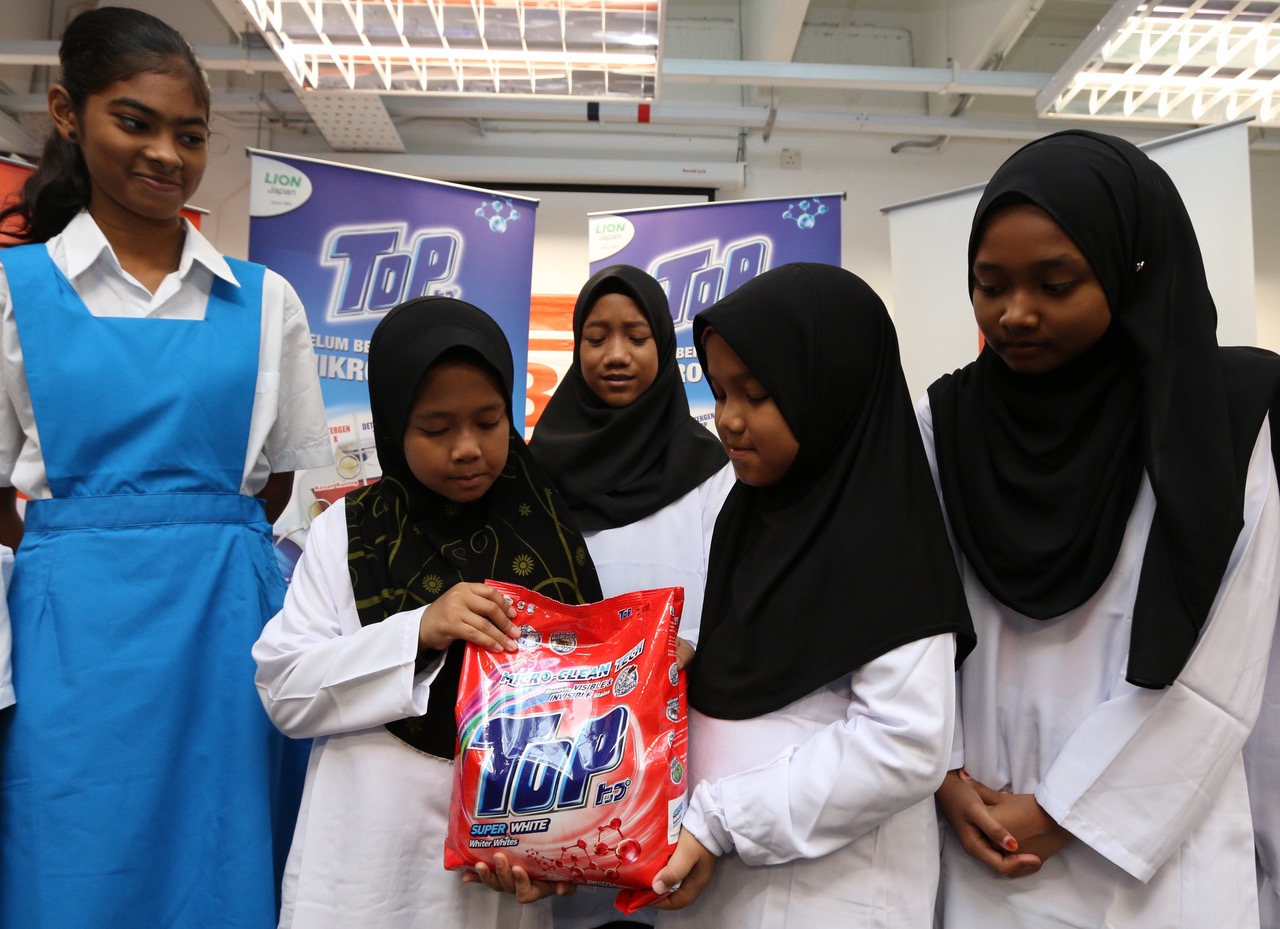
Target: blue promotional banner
[(704, 251), (356, 242)]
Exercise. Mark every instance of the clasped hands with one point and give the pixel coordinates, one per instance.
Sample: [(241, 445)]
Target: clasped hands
[(1009, 833)]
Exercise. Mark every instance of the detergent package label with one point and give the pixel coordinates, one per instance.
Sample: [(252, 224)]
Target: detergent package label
[(572, 751)]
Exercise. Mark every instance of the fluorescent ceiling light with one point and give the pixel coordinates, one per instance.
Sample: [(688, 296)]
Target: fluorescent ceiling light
[(1184, 61), (593, 49)]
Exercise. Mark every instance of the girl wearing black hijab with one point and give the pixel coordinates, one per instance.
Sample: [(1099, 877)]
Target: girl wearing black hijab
[(642, 478), (366, 654), (822, 689), (1108, 482)]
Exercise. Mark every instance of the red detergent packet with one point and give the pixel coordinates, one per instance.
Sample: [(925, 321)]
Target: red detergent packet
[(572, 751)]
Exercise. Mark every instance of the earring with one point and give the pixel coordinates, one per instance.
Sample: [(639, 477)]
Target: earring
[(72, 136)]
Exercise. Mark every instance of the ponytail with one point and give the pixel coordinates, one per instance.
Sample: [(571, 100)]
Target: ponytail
[(51, 196)]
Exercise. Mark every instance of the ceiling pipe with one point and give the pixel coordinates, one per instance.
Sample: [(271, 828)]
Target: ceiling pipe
[(283, 104), (42, 52), (853, 77), (676, 70)]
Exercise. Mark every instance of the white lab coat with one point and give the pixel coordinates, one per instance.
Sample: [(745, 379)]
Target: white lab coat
[(1150, 782), (823, 811), (369, 845)]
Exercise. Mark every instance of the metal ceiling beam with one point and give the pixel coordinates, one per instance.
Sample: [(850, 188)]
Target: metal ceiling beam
[(1107, 26), (771, 28), (28, 52)]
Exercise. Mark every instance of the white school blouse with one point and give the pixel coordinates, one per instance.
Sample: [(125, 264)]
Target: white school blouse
[(822, 812), (1150, 782), (668, 548), (368, 849), (287, 431)]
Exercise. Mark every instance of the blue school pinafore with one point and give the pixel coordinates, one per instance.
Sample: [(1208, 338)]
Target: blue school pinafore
[(136, 768)]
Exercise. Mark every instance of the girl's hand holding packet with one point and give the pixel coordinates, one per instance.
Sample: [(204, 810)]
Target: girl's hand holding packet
[(572, 750)]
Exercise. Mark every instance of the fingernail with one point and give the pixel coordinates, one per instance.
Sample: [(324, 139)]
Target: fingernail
[(1010, 843), (658, 886), (964, 775)]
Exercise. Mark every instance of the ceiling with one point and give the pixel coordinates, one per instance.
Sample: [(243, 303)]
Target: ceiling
[(918, 72)]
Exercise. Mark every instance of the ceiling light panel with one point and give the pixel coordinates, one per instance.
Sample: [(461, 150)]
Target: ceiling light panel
[(1184, 61), (592, 49)]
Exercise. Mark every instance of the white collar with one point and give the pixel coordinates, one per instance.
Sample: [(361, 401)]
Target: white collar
[(83, 244)]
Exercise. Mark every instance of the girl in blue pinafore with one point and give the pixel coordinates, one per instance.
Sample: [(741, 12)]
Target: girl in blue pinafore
[(156, 396)]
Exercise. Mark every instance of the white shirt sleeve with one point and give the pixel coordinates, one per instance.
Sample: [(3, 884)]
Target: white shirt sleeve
[(1138, 773), (11, 434), (319, 671), (13, 379), (7, 695), (924, 419), (957, 735), (888, 754), (298, 434)]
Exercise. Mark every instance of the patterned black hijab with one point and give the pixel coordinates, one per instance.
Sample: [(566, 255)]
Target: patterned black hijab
[(617, 466), (846, 557), (407, 545), (1039, 472)]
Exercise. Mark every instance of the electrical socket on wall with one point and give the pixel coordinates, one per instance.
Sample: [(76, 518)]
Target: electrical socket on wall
[(791, 158)]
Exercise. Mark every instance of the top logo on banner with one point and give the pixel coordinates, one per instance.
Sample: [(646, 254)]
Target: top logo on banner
[(354, 243), (702, 252)]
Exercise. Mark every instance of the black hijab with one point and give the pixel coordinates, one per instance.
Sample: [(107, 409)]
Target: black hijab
[(617, 466), (406, 545), (847, 556), (1040, 472)]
